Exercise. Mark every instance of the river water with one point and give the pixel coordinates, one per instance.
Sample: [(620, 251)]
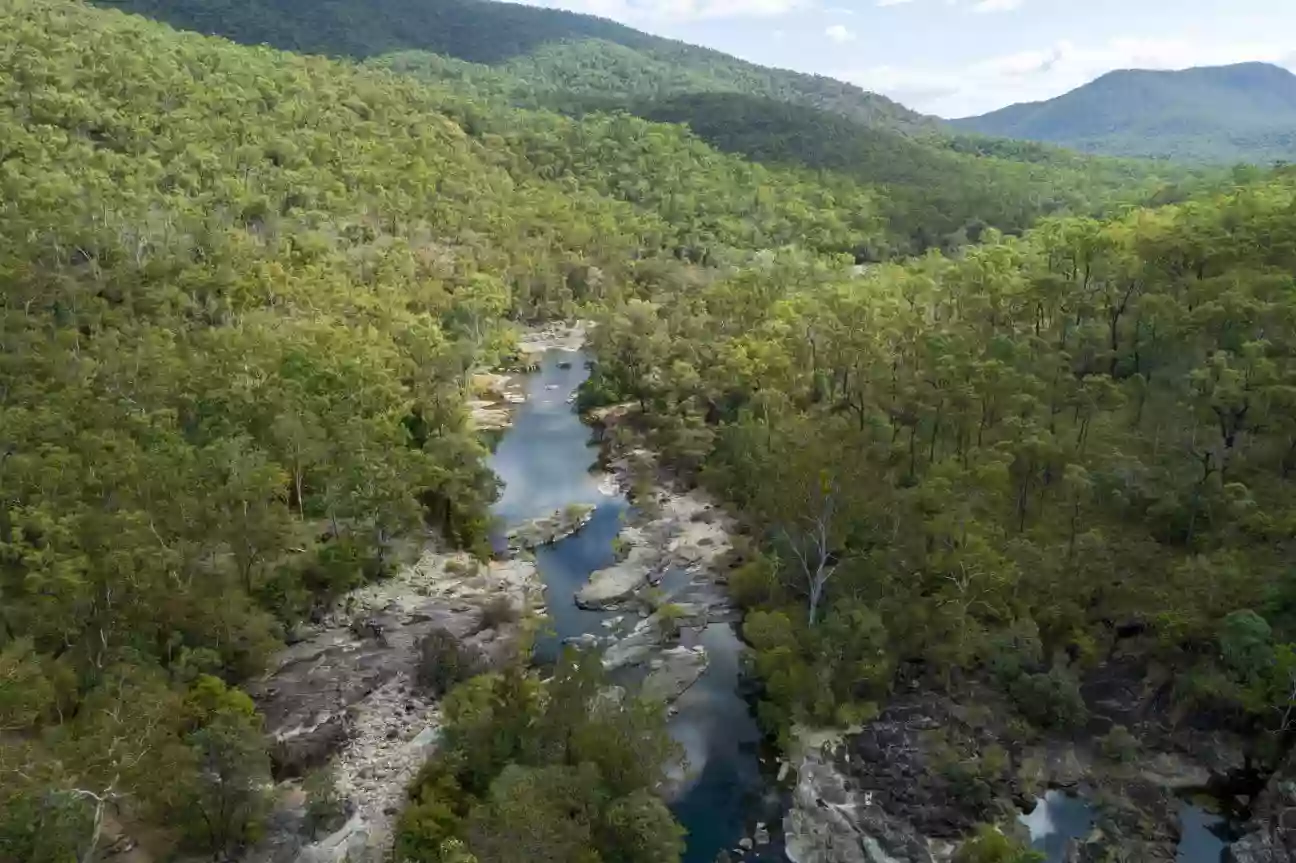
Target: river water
[(545, 460)]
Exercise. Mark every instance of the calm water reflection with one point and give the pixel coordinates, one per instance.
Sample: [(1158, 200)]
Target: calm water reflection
[(544, 460)]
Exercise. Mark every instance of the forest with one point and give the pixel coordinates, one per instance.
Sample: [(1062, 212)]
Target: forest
[(937, 187), (243, 293)]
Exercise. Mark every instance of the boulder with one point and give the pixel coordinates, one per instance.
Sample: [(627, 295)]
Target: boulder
[(674, 672), (615, 584), (829, 823)]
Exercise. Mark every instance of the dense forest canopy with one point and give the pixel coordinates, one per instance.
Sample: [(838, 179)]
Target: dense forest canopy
[(1244, 112), (525, 37), (242, 295), (1046, 454), (939, 187)]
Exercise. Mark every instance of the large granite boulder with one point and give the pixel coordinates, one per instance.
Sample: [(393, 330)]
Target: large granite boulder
[(830, 822)]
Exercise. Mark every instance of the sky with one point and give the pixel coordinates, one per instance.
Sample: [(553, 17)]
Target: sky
[(955, 58)]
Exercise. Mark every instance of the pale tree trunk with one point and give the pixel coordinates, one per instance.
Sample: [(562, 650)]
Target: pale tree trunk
[(814, 553)]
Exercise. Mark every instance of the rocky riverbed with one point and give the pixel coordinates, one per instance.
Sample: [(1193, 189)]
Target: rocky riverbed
[(496, 394), (908, 785), (346, 694)]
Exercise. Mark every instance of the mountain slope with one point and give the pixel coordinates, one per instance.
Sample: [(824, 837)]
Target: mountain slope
[(1244, 112), (502, 33), (938, 189)]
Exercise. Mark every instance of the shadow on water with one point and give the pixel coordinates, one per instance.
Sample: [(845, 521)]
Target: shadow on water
[(1204, 836), (544, 460), (722, 741)]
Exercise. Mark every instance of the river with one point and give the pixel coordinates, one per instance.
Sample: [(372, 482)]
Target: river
[(544, 460)]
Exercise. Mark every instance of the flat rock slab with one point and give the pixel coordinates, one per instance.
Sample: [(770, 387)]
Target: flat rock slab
[(674, 671), (549, 529), (608, 587)]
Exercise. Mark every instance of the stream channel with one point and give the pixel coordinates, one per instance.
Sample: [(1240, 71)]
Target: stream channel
[(544, 460)]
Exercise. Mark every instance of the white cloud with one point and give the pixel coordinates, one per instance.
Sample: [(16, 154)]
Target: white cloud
[(1035, 75), (839, 34), (892, 2), (675, 11), (996, 5)]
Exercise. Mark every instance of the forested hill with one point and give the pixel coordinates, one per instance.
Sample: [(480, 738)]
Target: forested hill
[(586, 52), (242, 296), (1244, 112)]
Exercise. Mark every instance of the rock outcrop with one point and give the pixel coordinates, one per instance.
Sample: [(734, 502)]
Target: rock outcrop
[(831, 822), (1271, 834), (674, 671), (681, 531), (535, 532), (346, 693)]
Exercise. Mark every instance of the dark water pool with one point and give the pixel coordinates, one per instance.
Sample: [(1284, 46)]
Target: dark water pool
[(544, 460), (1059, 818)]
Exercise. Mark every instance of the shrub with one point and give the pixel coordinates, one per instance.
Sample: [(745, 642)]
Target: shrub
[(1118, 744), (443, 662), (669, 618), (989, 845), (1051, 700), (499, 611), (754, 583), (326, 810)]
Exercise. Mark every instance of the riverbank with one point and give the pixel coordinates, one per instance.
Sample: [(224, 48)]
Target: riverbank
[(345, 696), (924, 773), (495, 395)]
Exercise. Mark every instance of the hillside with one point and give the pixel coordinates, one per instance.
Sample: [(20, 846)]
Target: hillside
[(583, 52), (930, 191), (1245, 112)]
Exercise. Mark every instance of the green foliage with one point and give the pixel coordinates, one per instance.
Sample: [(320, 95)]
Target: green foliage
[(1012, 455), (670, 618), (53, 827), (1246, 645), (1119, 744), (827, 674), (1212, 114), (560, 771), (444, 661), (559, 53), (226, 800), (326, 809), (990, 845), (937, 192), (1050, 699)]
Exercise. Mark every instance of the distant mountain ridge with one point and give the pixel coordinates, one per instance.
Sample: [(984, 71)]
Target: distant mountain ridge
[(1242, 112), (514, 35)]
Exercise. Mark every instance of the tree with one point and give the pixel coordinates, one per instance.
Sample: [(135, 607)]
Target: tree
[(225, 802)]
